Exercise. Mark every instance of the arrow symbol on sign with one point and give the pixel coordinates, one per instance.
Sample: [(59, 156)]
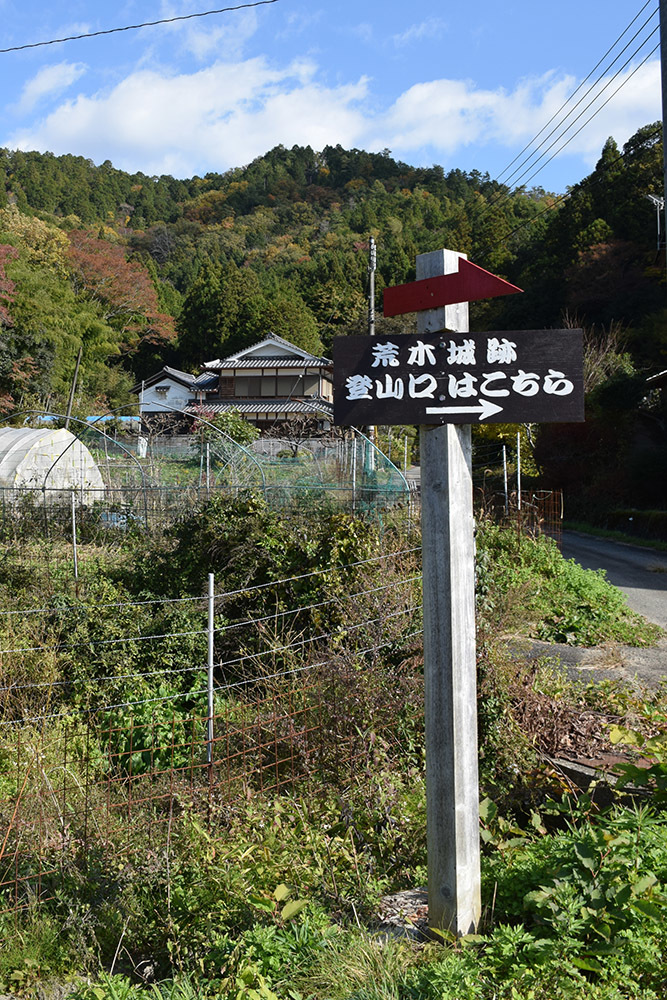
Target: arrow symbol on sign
[(485, 409), (468, 284)]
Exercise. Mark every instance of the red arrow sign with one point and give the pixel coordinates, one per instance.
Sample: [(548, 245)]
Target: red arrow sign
[(468, 284)]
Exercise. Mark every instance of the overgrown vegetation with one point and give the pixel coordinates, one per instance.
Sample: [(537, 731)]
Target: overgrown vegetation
[(557, 600), (279, 894)]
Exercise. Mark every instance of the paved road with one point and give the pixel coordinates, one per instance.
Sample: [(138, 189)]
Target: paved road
[(640, 573)]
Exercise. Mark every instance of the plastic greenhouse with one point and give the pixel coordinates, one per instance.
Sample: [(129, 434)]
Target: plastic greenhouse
[(52, 460)]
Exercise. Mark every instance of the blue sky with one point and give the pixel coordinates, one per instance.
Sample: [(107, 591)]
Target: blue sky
[(461, 84)]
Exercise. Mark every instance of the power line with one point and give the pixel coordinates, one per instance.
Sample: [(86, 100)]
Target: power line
[(591, 179), (576, 91), (504, 197), (585, 109), (134, 27)]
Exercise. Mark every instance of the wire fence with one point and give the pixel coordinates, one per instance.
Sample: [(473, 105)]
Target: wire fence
[(529, 512), (117, 716), (86, 761), (91, 781)]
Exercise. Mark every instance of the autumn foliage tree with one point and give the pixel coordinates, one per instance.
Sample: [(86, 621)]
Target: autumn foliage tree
[(6, 285), (123, 289)]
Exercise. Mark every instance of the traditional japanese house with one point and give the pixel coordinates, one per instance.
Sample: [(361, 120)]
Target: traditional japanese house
[(268, 383)]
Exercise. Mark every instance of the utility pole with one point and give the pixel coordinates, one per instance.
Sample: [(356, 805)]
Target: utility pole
[(659, 209), (70, 401), (663, 71), (372, 267)]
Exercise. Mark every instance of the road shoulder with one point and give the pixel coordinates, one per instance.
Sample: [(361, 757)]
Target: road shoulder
[(642, 667)]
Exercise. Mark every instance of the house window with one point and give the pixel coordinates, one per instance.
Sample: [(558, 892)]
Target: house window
[(162, 390), (226, 387), (290, 385)]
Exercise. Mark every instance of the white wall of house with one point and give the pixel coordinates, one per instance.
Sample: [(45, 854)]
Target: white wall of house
[(163, 394)]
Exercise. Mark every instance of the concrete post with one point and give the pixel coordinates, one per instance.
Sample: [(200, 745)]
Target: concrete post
[(454, 901)]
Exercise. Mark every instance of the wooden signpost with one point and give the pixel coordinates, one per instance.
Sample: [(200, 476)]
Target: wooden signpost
[(445, 382)]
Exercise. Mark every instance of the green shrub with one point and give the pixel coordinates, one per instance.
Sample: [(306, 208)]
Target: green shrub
[(527, 578)]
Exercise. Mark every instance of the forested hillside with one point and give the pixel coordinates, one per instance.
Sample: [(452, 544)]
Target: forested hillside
[(141, 271)]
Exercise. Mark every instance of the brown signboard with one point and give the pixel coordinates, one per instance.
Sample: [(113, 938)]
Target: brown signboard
[(526, 376)]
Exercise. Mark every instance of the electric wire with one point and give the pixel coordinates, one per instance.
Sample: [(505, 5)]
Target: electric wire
[(504, 196), (583, 111), (181, 670), (194, 694), (578, 88), (591, 179), (507, 195), (134, 27)]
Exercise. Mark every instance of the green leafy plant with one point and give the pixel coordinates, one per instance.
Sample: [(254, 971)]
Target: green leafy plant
[(652, 773)]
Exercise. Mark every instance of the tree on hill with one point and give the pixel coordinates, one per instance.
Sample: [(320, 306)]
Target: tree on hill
[(220, 313), (284, 313), (7, 286), (100, 271), (41, 244), (227, 309), (39, 347), (606, 227)]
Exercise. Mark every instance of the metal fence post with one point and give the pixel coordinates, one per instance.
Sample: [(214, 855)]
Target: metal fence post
[(211, 634), (354, 476), (76, 561)]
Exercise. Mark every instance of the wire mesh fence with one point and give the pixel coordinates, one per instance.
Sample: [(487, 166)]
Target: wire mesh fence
[(68, 790), (91, 754), (529, 512)]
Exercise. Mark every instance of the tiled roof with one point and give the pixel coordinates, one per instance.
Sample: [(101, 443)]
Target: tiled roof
[(175, 373), (270, 361), (237, 360), (207, 380), (266, 406), (185, 378)]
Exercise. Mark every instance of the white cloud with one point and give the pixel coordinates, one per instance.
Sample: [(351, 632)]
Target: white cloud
[(216, 118), (451, 114), (364, 32), (448, 115), (299, 22), (431, 28), (232, 111), (636, 103), (227, 40), (224, 37), (50, 81)]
